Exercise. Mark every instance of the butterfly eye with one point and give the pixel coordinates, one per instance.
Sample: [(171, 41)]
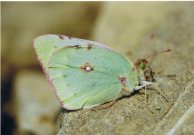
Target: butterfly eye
[(142, 66)]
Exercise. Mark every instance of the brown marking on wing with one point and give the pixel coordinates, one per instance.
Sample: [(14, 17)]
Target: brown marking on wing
[(61, 36), (89, 46), (77, 46), (87, 68)]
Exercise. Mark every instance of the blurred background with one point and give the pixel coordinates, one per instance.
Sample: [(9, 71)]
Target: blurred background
[(28, 105)]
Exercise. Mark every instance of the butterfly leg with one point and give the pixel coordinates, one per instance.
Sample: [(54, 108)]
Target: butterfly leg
[(160, 92), (108, 105), (146, 99), (121, 93), (145, 83)]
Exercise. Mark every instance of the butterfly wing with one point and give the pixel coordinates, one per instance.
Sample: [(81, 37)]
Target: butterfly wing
[(46, 44), (84, 73)]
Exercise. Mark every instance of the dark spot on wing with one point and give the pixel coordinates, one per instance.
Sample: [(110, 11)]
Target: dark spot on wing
[(78, 46), (94, 84), (87, 68), (89, 46), (61, 36), (55, 47), (74, 46), (50, 67)]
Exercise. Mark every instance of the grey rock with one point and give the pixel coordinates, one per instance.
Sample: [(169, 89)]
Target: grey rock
[(172, 123), (36, 106), (126, 26)]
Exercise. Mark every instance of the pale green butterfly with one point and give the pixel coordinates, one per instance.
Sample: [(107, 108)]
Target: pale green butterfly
[(85, 74)]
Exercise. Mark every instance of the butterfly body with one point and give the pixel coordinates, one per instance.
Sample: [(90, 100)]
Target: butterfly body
[(84, 73)]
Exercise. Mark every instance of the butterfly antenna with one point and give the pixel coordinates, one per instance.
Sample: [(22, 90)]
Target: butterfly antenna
[(168, 50)]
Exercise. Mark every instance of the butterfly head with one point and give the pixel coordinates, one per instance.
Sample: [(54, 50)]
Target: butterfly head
[(140, 64)]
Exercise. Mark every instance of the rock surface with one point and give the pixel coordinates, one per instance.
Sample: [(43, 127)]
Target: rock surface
[(36, 106), (21, 23), (126, 28)]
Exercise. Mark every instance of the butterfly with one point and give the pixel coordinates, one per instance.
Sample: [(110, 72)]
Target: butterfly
[(85, 74)]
